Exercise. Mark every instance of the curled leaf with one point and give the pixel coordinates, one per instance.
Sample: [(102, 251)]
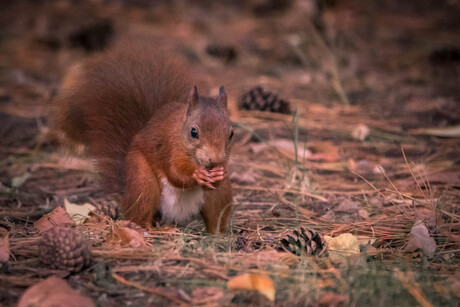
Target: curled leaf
[(342, 246), (260, 283), (53, 291), (127, 236), (419, 238), (79, 213), (57, 217)]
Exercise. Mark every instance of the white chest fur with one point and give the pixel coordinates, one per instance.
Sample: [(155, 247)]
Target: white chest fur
[(179, 205)]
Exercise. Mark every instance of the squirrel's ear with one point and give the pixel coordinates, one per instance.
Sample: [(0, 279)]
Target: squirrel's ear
[(222, 96), (193, 99)]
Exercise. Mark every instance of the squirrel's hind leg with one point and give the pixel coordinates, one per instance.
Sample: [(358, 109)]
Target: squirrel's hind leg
[(142, 193), (217, 207)]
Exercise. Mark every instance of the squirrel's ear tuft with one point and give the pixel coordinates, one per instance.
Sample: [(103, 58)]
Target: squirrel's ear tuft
[(193, 99), (222, 96)]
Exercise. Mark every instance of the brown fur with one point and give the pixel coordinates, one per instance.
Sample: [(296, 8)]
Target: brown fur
[(133, 112)]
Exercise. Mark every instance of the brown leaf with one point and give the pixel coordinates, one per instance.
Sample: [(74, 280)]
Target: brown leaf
[(51, 292), (260, 283), (57, 217), (419, 238), (363, 214), (324, 151), (126, 236), (346, 211)]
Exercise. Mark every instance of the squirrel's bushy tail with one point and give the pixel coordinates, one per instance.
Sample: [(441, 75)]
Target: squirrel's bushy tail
[(106, 101)]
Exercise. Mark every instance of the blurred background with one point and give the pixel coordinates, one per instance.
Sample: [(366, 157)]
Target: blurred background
[(392, 57), (349, 85)]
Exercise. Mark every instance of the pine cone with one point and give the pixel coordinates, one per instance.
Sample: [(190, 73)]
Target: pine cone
[(108, 207), (259, 99), (64, 249), (305, 241)]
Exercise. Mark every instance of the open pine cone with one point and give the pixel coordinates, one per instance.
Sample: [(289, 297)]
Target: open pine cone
[(108, 208), (259, 99), (64, 249), (305, 241)]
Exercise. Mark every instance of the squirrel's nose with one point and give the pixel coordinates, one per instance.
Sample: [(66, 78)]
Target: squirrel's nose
[(215, 161)]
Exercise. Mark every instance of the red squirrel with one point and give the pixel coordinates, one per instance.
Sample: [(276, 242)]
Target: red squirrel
[(160, 145)]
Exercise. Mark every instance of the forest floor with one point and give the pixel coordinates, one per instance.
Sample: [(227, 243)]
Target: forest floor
[(370, 149)]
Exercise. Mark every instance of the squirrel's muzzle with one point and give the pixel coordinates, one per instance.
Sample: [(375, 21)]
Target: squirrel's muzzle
[(210, 158)]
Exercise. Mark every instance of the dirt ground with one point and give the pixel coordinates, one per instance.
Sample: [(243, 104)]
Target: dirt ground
[(370, 147)]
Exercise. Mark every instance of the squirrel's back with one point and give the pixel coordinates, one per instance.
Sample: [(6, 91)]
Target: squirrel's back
[(106, 101)]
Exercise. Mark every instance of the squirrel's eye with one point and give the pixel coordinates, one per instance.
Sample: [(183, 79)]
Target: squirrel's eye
[(194, 133), (231, 135)]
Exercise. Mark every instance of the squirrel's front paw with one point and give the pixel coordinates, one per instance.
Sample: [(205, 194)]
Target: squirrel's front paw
[(206, 178)]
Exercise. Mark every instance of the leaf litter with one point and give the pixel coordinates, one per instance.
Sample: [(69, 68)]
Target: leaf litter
[(338, 170)]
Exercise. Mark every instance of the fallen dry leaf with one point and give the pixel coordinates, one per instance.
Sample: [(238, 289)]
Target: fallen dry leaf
[(126, 236), (363, 214), (364, 167), (428, 216), (346, 211), (4, 248), (325, 151), (419, 238), (342, 246), (57, 217), (260, 283), (78, 213), (361, 166), (285, 147), (18, 181), (52, 292)]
